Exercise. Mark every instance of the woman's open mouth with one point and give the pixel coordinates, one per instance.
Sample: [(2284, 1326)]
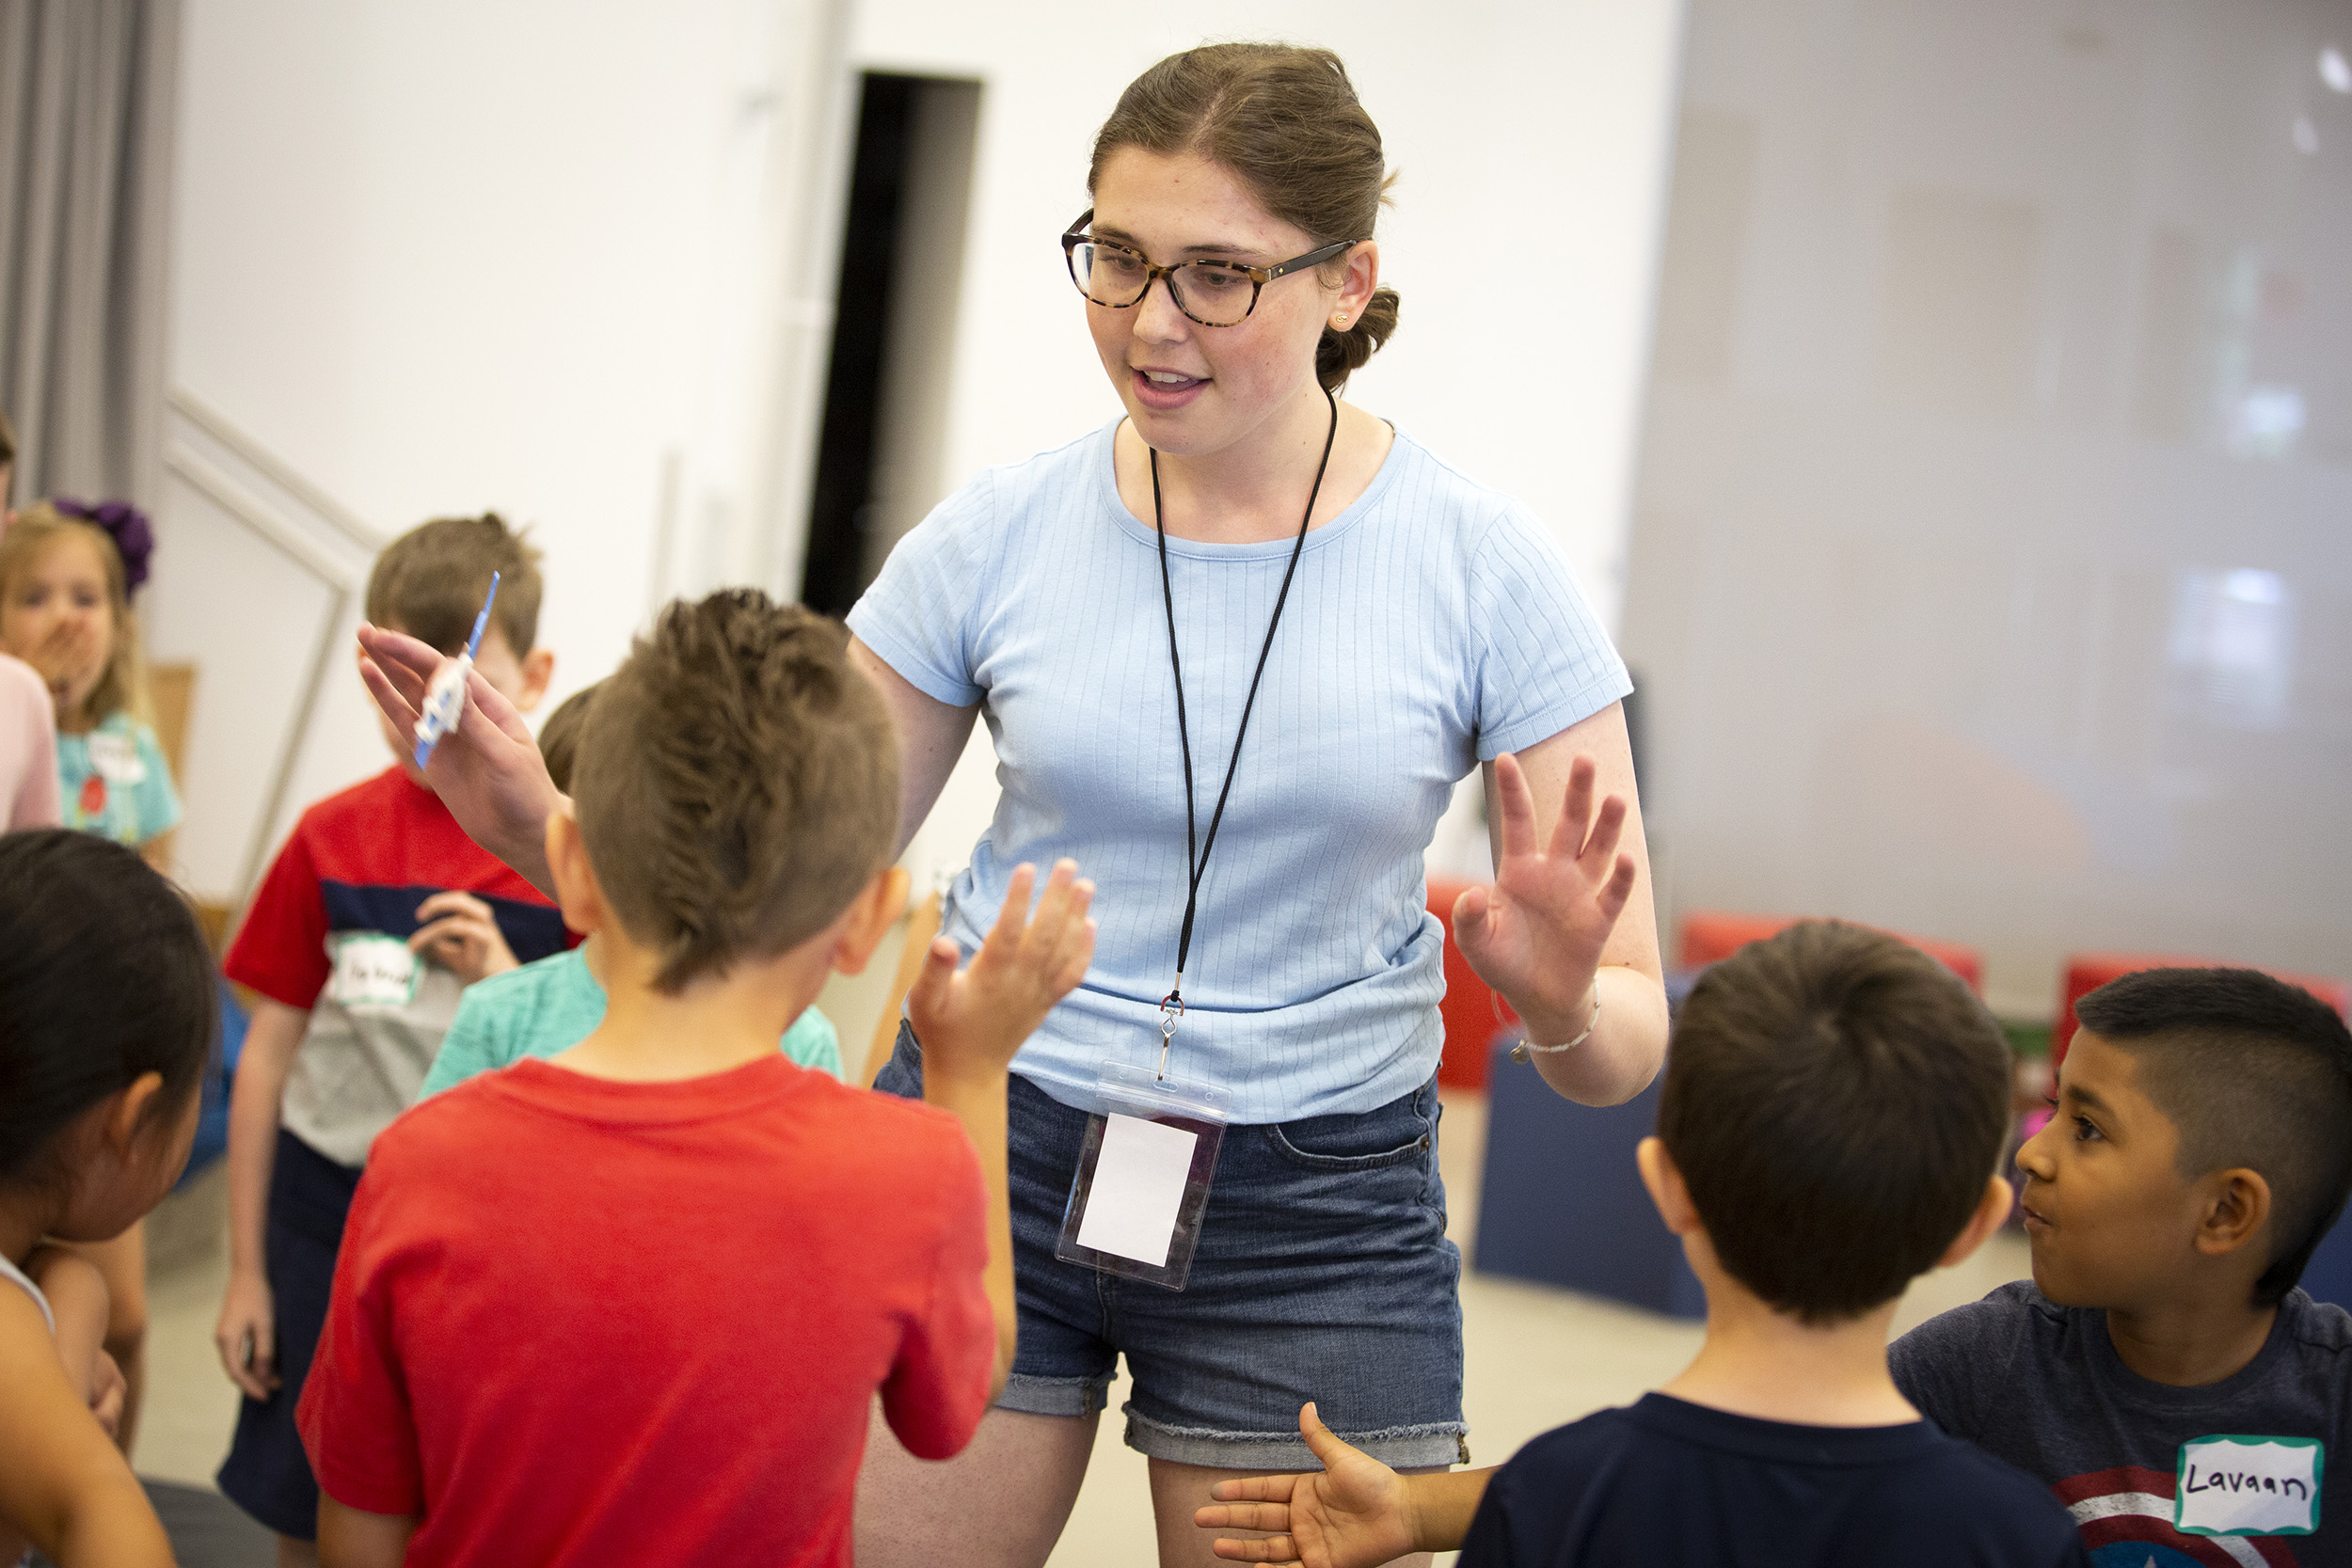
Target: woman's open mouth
[(1165, 389)]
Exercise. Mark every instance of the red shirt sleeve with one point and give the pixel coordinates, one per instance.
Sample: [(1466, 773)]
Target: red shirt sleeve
[(280, 950), (937, 1392), (355, 1420)]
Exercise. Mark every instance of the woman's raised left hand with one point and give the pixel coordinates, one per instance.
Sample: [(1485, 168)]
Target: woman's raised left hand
[(1537, 933)]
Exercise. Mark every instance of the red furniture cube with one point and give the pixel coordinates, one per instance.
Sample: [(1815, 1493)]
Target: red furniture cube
[(2087, 972), (1712, 935)]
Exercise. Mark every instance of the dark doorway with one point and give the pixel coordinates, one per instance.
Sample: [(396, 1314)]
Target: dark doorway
[(885, 387)]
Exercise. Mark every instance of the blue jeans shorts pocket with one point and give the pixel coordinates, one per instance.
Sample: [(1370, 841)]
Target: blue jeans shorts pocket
[(1403, 1131)]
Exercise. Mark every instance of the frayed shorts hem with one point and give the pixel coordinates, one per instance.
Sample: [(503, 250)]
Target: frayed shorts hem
[(1413, 1447), (1032, 1395)]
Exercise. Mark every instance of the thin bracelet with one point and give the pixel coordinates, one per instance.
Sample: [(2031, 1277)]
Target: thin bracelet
[(1521, 1051)]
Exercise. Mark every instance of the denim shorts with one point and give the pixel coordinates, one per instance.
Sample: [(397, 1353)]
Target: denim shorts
[(1323, 1274)]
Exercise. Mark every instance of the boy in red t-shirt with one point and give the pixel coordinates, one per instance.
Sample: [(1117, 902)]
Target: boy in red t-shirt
[(633, 1303)]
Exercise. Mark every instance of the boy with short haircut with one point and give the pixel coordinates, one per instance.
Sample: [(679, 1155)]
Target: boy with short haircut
[(632, 1303), (376, 914), (2162, 1373), (1835, 1105), (548, 1006)]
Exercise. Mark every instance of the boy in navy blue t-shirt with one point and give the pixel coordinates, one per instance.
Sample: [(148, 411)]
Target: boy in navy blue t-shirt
[(1835, 1107)]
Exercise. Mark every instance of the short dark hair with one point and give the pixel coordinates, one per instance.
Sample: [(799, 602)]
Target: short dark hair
[(429, 583), (103, 978), (736, 782), (1836, 1101), (2252, 1073), (558, 738)]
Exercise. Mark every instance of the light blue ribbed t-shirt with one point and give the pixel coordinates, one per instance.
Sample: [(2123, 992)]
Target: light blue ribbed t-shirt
[(1433, 626)]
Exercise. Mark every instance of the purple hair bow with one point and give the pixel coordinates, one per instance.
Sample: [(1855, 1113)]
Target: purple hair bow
[(126, 525)]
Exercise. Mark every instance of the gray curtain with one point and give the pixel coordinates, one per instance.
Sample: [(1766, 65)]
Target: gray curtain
[(86, 136)]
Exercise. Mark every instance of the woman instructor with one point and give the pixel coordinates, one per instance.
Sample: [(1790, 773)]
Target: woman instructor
[(1397, 623), (1234, 650)]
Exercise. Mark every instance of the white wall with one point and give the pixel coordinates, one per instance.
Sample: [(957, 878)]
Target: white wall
[(1984, 585), (1546, 122), (442, 257)]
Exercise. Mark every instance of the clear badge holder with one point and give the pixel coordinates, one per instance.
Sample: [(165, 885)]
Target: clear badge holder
[(1143, 1176)]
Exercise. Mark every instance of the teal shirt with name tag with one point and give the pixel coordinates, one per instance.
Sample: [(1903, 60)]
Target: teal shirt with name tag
[(114, 781)]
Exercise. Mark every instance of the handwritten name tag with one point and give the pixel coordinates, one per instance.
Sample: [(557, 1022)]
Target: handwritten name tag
[(116, 758), (372, 970), (2249, 1486)]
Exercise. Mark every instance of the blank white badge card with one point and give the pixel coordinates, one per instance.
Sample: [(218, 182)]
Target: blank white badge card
[(1138, 1185)]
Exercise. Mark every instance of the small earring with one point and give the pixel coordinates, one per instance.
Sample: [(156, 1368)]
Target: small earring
[(1341, 319)]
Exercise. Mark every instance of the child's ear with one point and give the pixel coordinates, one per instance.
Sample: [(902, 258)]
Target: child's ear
[(126, 1116), (1664, 1180), (1991, 1211), (538, 668), (2238, 1209), (869, 919), (576, 891)]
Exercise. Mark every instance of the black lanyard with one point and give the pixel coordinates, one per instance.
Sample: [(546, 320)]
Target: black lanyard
[(1172, 1006)]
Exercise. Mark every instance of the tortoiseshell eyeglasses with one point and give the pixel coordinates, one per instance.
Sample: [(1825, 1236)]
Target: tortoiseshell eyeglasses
[(1214, 294)]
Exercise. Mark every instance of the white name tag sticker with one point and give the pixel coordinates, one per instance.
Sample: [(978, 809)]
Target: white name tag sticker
[(372, 970), (1139, 1184), (2249, 1486), (116, 758)]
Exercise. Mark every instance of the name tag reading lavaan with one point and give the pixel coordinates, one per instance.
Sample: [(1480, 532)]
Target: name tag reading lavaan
[(1143, 1176), (2234, 1486)]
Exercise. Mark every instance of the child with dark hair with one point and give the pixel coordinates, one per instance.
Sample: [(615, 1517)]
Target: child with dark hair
[(376, 915), (106, 1017), (555, 1003), (2162, 1373), (633, 1303), (1836, 1102)]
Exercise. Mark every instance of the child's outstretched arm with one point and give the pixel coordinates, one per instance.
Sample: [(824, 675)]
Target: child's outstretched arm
[(1356, 1513), (63, 1484), (971, 1022), (247, 1334)]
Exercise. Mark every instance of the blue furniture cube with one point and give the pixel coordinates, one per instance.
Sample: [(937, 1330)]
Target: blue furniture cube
[(1562, 1203), (2329, 1275)]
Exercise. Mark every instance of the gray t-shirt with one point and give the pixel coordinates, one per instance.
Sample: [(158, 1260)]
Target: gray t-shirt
[(2040, 1386)]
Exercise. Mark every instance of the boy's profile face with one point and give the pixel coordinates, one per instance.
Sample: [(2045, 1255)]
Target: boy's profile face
[(2112, 1221), (521, 680)]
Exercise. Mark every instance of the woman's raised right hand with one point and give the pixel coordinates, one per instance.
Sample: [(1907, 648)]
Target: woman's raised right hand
[(488, 770)]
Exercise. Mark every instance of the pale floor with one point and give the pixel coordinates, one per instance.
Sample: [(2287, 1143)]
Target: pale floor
[(1536, 1356)]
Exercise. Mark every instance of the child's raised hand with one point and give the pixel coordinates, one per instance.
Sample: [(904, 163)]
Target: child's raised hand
[(66, 658), (1356, 1513), (1536, 935), (458, 931), (488, 770), (975, 1019)]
